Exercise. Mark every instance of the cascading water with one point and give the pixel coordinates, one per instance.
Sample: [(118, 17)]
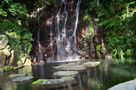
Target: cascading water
[(39, 54), (66, 39)]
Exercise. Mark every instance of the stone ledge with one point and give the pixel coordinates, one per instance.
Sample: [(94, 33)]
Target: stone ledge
[(129, 85)]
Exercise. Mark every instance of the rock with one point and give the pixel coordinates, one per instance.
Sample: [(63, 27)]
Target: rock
[(6, 50), (20, 77), (16, 75), (67, 79), (23, 78), (74, 68), (3, 41), (26, 70), (11, 62), (52, 83), (64, 65), (65, 73), (71, 67), (27, 63), (129, 85), (19, 63), (91, 64)]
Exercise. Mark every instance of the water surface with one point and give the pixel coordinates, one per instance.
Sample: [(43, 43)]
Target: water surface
[(100, 77)]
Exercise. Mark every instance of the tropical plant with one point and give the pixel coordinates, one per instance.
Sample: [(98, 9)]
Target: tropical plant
[(117, 20), (13, 23)]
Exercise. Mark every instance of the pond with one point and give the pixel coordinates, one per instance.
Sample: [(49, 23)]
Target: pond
[(100, 77)]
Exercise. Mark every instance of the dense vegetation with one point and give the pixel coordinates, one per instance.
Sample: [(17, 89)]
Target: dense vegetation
[(117, 21), (13, 24)]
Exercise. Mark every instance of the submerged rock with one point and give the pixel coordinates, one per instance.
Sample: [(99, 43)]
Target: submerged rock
[(64, 65), (16, 75), (65, 73), (23, 78), (52, 83), (75, 68), (70, 67), (91, 64), (67, 79), (129, 85), (20, 77)]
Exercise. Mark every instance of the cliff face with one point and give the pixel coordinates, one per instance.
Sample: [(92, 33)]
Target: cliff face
[(46, 26)]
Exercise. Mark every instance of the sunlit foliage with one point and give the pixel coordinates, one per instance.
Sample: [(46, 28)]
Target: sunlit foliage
[(117, 20), (13, 23)]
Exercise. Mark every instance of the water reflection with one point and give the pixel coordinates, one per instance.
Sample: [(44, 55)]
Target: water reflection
[(100, 77), (6, 83)]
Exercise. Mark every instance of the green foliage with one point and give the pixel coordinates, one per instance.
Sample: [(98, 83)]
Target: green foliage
[(17, 9), (13, 23), (88, 20), (34, 4), (19, 37), (43, 2), (38, 82), (3, 13), (117, 18)]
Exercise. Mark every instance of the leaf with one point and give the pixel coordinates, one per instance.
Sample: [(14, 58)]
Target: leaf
[(3, 13), (7, 1)]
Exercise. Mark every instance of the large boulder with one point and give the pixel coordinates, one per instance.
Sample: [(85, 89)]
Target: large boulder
[(129, 85)]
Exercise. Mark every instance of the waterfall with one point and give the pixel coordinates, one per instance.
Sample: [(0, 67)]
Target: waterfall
[(65, 41), (39, 54), (76, 23)]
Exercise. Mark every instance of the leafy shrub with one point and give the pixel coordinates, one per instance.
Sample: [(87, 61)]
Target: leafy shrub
[(117, 19)]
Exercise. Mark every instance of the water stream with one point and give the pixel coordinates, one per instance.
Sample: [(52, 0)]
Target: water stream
[(66, 39)]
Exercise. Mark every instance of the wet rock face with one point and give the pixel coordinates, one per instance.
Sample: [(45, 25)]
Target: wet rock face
[(45, 24), (3, 41)]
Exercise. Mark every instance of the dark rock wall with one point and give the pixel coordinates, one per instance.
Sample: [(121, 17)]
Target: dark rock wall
[(44, 22)]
